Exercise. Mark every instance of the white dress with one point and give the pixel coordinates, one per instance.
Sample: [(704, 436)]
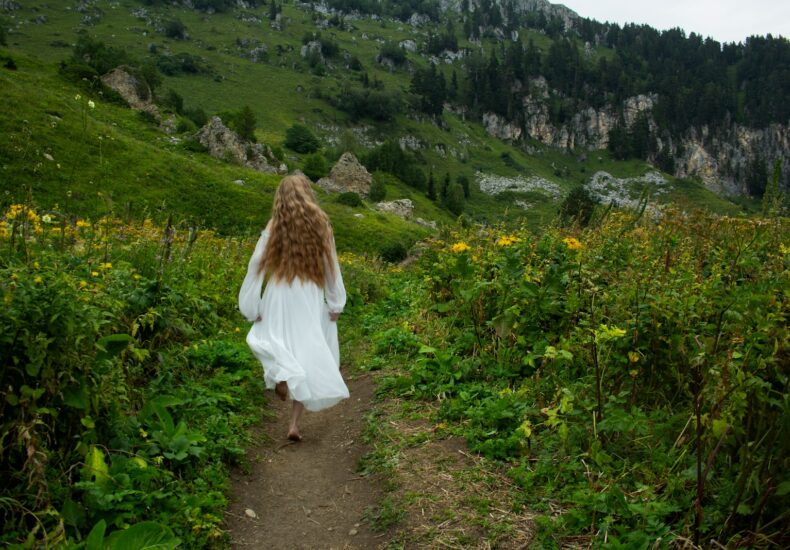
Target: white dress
[(295, 340)]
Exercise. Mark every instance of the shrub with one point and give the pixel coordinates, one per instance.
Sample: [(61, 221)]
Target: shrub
[(393, 252), (196, 115), (315, 166), (378, 190), (299, 138), (349, 199), (578, 206), (173, 100), (175, 29)]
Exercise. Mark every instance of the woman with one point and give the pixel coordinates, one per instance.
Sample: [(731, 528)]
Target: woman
[(294, 334)]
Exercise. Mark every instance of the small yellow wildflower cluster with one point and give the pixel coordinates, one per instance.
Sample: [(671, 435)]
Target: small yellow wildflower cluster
[(507, 240), (459, 247), (572, 243), (18, 211), (82, 224)]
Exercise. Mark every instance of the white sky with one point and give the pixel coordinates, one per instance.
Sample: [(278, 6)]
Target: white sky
[(724, 20)]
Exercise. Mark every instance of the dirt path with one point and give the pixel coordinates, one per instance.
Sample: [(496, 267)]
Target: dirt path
[(308, 495)]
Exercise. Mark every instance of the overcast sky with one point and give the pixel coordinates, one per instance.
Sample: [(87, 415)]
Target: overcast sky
[(724, 20)]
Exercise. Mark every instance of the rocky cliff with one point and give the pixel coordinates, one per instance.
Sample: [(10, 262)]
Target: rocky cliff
[(719, 158)]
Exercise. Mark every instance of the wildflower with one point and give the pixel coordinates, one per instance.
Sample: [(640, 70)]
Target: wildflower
[(460, 247), (633, 357), (36, 265), (14, 276), (82, 223), (46, 218), (37, 280), (238, 329), (633, 373), (572, 243), (83, 284), (507, 240), (106, 265), (91, 104), (137, 277), (94, 273), (77, 97)]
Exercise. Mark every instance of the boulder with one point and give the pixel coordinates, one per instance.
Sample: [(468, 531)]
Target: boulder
[(403, 208), (132, 89), (348, 175), (223, 143)]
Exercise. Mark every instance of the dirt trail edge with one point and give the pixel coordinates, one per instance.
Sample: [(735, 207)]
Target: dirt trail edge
[(307, 494)]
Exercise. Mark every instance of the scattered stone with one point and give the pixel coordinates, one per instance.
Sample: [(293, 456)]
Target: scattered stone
[(238, 182), (359, 216), (250, 513), (430, 224), (353, 532), (403, 208), (408, 45), (49, 157), (493, 184)]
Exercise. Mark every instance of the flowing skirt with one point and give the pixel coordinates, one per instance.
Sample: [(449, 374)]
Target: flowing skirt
[(296, 342)]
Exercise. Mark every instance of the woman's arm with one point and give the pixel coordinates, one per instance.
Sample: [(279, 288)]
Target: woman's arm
[(334, 291), (250, 292)]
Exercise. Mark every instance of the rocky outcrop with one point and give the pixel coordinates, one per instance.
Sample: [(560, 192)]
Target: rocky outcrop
[(492, 184), (500, 128), (133, 90), (403, 208), (223, 143), (312, 48), (347, 175)]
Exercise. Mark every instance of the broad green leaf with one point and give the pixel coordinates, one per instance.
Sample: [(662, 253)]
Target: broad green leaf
[(95, 540), (147, 535)]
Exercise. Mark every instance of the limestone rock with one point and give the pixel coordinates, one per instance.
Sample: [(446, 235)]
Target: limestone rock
[(403, 208), (430, 224), (133, 90), (500, 128), (223, 143), (311, 48), (348, 175)]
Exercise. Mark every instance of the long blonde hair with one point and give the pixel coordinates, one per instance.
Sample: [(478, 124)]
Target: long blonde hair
[(300, 236)]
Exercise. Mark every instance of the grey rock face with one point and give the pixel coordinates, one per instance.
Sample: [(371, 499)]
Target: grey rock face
[(403, 208), (347, 175), (133, 90), (223, 143)]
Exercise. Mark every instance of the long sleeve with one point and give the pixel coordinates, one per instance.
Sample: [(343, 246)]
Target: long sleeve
[(334, 291), (250, 293)]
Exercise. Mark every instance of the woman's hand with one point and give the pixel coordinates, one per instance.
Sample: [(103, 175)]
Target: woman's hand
[(334, 315)]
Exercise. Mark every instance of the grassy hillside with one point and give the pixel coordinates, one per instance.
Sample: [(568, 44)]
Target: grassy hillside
[(140, 169)]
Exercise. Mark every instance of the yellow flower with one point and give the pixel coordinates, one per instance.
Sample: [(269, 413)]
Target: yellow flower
[(37, 280), (36, 265), (137, 277), (633, 357), (82, 223), (507, 240), (14, 277), (83, 284), (525, 429), (94, 273), (238, 329), (460, 247), (106, 265), (572, 243)]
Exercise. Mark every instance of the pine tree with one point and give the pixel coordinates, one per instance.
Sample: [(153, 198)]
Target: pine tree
[(463, 181), (455, 199), (431, 187), (245, 124), (773, 199), (443, 192), (273, 11)]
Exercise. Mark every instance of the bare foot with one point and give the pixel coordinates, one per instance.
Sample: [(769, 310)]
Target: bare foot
[(281, 389), (294, 435)]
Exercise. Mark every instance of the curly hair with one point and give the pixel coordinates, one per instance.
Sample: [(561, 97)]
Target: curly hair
[(300, 235)]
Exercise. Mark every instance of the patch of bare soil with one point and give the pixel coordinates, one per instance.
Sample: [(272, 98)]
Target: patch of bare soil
[(307, 495)]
